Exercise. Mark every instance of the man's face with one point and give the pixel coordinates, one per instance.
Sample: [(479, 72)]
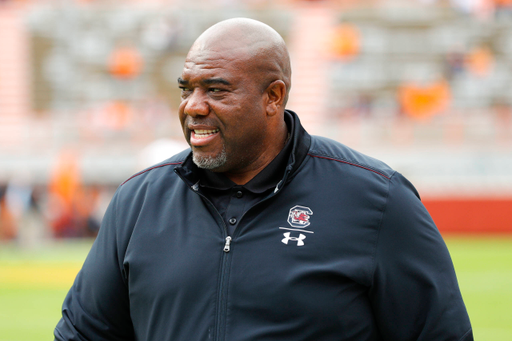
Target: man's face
[(222, 110)]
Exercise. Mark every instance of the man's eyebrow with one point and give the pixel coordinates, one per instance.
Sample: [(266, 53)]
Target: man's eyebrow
[(211, 81), (208, 81)]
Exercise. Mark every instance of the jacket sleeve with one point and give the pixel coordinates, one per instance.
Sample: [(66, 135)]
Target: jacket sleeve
[(415, 294), (97, 307)]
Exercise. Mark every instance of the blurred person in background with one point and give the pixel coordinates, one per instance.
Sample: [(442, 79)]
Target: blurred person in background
[(7, 223), (21, 218), (261, 231)]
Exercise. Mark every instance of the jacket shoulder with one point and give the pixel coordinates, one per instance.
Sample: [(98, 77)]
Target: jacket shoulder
[(327, 149), (157, 170)]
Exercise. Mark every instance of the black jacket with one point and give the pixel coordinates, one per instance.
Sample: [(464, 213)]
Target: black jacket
[(342, 250)]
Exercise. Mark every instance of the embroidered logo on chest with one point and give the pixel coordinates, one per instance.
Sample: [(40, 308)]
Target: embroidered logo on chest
[(298, 218), (299, 239)]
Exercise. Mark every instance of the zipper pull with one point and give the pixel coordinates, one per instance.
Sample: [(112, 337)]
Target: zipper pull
[(227, 245)]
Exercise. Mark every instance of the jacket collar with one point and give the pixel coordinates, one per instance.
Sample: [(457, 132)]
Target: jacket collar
[(301, 143)]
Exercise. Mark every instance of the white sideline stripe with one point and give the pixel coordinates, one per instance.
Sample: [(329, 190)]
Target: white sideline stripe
[(286, 228)]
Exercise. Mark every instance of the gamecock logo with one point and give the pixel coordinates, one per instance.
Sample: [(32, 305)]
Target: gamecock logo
[(299, 216)]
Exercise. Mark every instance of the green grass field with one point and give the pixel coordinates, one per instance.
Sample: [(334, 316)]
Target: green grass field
[(484, 270), (33, 285)]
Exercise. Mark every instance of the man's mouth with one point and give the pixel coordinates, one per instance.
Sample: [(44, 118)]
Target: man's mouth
[(202, 133), (203, 137)]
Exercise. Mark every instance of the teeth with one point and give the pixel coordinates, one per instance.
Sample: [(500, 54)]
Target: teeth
[(201, 133)]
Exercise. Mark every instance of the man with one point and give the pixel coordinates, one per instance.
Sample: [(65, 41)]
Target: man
[(261, 231)]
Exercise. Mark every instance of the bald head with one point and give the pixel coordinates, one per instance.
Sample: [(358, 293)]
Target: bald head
[(258, 44)]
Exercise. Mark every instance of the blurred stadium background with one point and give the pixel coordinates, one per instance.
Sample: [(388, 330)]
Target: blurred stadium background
[(88, 97)]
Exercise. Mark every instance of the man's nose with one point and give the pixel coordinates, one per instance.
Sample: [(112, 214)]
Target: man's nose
[(197, 104)]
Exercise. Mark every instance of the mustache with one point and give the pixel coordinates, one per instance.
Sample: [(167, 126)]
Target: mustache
[(200, 121)]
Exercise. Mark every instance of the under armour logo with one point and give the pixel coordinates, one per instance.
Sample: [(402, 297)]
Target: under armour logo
[(299, 239)]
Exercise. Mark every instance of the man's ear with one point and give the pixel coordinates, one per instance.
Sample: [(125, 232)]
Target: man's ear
[(276, 93)]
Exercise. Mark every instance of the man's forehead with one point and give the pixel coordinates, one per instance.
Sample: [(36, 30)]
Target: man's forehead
[(208, 64), (225, 50), (236, 49), (207, 61), (210, 71)]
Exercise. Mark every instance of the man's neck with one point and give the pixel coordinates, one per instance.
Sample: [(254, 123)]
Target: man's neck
[(243, 177)]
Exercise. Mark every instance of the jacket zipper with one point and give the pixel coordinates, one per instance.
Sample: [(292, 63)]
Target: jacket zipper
[(221, 312), (222, 302), (221, 306), (227, 246)]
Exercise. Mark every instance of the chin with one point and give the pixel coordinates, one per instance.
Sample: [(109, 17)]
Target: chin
[(210, 162)]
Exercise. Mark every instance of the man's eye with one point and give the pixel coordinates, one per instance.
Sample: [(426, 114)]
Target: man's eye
[(216, 90), (185, 92)]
